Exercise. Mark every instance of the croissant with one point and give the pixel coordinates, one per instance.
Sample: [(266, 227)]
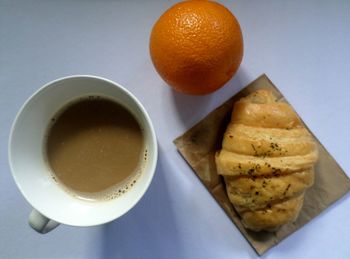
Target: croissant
[(267, 161)]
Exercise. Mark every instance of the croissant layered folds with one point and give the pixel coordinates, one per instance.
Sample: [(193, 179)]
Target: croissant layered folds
[(267, 161)]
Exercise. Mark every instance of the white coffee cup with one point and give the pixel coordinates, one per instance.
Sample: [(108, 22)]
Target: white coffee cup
[(52, 204)]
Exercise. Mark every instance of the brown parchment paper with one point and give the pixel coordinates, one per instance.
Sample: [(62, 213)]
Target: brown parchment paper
[(199, 144)]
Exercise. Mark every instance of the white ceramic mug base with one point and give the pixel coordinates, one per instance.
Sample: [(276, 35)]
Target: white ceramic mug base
[(52, 204)]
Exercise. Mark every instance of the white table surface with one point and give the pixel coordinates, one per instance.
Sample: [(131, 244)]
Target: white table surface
[(303, 46)]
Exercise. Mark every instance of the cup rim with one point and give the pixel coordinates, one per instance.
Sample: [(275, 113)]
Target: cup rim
[(153, 139)]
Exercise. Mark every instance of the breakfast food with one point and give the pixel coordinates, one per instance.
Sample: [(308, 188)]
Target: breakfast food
[(267, 161), (196, 46)]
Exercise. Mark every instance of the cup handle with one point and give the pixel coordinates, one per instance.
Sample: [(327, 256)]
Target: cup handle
[(40, 223)]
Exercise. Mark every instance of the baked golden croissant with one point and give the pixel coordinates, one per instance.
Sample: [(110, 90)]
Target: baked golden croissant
[(267, 161)]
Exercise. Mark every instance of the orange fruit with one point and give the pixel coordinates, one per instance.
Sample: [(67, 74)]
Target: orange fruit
[(196, 46)]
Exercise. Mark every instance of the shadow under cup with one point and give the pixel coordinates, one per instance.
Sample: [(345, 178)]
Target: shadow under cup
[(27, 155)]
